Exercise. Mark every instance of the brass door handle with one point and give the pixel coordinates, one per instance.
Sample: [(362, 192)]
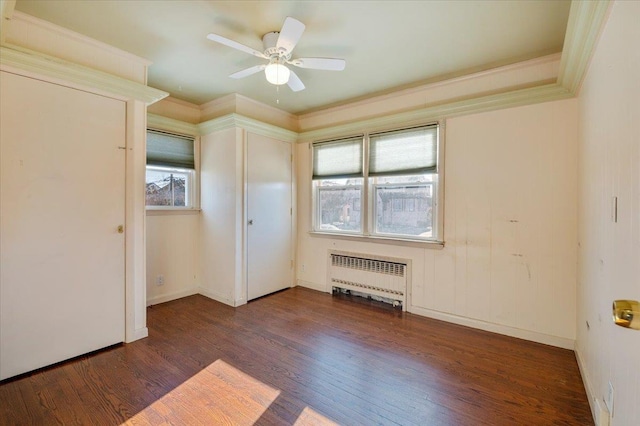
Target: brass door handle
[(626, 313), (120, 229)]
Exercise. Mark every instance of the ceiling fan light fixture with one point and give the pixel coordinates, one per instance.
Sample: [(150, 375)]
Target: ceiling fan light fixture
[(277, 73)]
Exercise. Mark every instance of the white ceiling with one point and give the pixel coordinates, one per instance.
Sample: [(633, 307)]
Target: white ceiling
[(387, 44)]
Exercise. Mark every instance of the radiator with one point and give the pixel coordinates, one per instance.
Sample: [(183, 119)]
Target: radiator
[(384, 277)]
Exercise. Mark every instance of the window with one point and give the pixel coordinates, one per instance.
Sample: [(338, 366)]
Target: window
[(170, 171), (380, 184), (338, 177)]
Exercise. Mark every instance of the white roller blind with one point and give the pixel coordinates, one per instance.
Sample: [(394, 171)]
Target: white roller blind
[(404, 152), (337, 159), (165, 149)]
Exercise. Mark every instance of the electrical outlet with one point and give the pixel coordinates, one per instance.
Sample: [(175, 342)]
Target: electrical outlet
[(304, 267), (609, 400), (160, 280)]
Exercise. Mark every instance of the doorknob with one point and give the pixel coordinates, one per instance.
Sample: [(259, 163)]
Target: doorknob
[(626, 313), (120, 229), (250, 221)]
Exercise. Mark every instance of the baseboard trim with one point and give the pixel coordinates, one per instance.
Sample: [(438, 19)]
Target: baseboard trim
[(587, 386), (171, 296), (215, 296), (312, 286), (533, 336), (139, 333)]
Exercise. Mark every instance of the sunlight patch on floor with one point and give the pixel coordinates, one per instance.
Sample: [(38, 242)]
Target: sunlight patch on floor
[(311, 417), (219, 394)]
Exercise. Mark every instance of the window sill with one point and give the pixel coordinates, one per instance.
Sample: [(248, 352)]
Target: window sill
[(171, 212), (437, 245)]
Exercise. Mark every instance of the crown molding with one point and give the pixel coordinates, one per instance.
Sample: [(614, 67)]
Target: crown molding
[(250, 124), (51, 28), (158, 122), (515, 98), (586, 20), (28, 62)]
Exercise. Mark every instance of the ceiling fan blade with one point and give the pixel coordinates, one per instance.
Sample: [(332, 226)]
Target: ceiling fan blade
[(330, 64), (234, 44), (249, 71), (291, 32), (295, 83)]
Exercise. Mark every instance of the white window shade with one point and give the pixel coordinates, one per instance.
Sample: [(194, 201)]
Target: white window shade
[(337, 159), (168, 150), (404, 152)]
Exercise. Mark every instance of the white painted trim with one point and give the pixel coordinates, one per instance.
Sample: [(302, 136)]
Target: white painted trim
[(139, 333), (531, 63), (546, 93), (533, 336), (135, 245), (312, 286), (235, 103), (159, 122), (215, 296), (587, 384), (254, 126), (171, 296), (44, 67), (53, 28), (586, 20)]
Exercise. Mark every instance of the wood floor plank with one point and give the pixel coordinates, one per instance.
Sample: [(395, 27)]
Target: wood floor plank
[(303, 357)]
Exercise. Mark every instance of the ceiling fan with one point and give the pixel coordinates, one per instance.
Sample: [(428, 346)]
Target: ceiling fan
[(277, 50)]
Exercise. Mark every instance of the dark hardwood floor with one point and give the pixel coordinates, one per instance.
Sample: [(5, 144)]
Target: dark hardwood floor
[(303, 357)]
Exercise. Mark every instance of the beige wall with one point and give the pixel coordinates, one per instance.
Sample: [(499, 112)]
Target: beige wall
[(221, 238), (609, 253), (172, 251), (509, 262)]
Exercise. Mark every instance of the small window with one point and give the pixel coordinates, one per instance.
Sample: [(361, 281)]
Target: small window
[(169, 187), (399, 184), (170, 181)]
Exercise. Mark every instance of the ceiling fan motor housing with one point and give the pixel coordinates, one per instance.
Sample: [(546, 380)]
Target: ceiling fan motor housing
[(269, 41)]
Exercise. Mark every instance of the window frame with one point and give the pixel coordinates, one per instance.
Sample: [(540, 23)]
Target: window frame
[(360, 212), (193, 191), (189, 191), (368, 210)]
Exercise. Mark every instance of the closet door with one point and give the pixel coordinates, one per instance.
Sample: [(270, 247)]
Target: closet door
[(62, 165), (269, 203)]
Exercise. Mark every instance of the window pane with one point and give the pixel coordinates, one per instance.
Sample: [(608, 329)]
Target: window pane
[(337, 159), (405, 152), (395, 211), (339, 208), (167, 188)]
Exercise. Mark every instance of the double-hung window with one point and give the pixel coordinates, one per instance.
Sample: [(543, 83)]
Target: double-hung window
[(170, 171), (382, 184), (339, 180)]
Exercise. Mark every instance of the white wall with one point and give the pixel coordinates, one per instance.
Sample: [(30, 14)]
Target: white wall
[(221, 227), (172, 251), (509, 262), (609, 253)]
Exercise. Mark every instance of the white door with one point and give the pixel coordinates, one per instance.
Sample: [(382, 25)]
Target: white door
[(269, 266), (61, 203)]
